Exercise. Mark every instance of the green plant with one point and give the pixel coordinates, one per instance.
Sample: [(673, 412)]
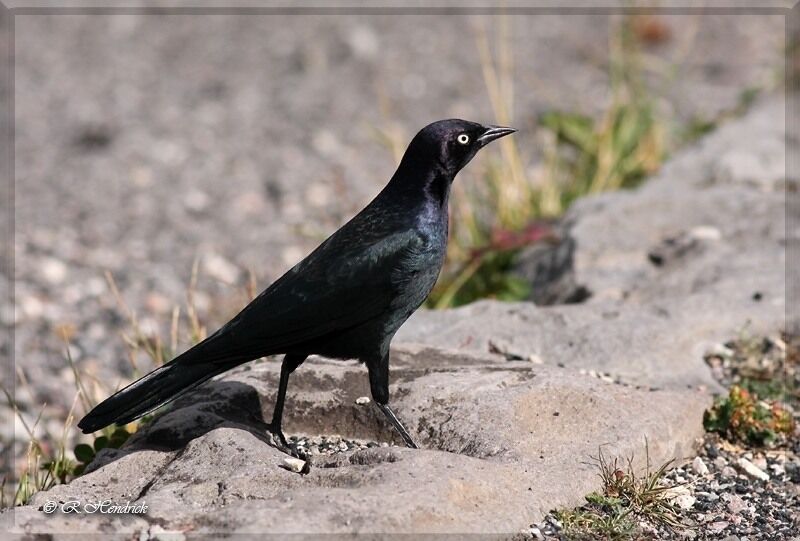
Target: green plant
[(584, 156), (85, 453), (487, 275), (603, 523), (741, 417), (617, 150), (626, 497)]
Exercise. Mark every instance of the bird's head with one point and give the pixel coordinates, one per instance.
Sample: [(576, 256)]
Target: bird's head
[(451, 144)]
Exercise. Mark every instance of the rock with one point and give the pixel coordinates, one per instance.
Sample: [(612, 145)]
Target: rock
[(220, 268), (727, 471), (777, 469), (718, 526), (491, 456), (685, 501), (736, 505), (701, 259), (678, 490), (362, 400), (750, 469), (626, 342), (295, 465), (707, 496), (534, 532), (699, 467), (548, 266)]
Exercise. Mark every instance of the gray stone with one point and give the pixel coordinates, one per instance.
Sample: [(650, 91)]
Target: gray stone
[(629, 343), (690, 238), (736, 505), (685, 501), (493, 454), (699, 467), (752, 470)]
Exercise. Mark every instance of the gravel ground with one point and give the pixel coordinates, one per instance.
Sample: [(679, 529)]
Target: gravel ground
[(731, 492), (329, 445), (717, 499), (146, 142)]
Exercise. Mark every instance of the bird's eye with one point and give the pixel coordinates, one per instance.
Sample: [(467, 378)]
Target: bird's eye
[(463, 139)]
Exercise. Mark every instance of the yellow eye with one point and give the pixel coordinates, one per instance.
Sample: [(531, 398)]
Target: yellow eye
[(463, 139)]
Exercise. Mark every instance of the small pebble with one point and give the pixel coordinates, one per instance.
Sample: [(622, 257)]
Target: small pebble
[(535, 532), (535, 359), (362, 400), (708, 496), (685, 501), (699, 466), (777, 469), (727, 471), (295, 465), (752, 470), (706, 232), (736, 504), (718, 526), (760, 462)]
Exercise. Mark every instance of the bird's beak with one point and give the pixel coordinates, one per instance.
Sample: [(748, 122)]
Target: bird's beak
[(494, 132)]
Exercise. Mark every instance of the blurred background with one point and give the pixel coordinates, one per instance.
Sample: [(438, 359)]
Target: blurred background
[(168, 166)]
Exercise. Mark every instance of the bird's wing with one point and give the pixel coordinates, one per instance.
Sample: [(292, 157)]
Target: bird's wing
[(348, 280)]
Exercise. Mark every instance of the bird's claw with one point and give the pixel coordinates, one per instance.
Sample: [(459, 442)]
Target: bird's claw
[(278, 440), (277, 435)]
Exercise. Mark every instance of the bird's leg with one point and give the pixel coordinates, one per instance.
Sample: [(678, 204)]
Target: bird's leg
[(387, 411), (290, 363), (379, 385)]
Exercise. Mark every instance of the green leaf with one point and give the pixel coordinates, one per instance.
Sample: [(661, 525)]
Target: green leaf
[(100, 443), (84, 453), (118, 438), (572, 128)]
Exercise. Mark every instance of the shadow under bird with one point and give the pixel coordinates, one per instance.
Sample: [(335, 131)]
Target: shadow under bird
[(346, 300)]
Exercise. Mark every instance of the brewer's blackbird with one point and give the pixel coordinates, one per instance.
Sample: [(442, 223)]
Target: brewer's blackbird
[(346, 300)]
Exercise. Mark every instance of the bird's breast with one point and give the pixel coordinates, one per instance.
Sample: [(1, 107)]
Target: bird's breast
[(420, 269)]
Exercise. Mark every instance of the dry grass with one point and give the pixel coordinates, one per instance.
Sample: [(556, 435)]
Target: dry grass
[(47, 460), (42, 469), (510, 206)]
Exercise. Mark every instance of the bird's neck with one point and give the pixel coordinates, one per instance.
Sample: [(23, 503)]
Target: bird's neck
[(414, 184), (437, 189)]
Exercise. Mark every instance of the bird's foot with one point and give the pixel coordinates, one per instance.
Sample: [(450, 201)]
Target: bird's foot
[(275, 432), (278, 440)]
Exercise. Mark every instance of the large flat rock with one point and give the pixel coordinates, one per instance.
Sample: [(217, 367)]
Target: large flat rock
[(502, 441), (711, 225)]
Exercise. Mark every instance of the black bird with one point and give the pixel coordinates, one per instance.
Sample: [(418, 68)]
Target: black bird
[(346, 300)]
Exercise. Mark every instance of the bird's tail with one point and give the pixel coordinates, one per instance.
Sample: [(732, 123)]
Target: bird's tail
[(159, 387)]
